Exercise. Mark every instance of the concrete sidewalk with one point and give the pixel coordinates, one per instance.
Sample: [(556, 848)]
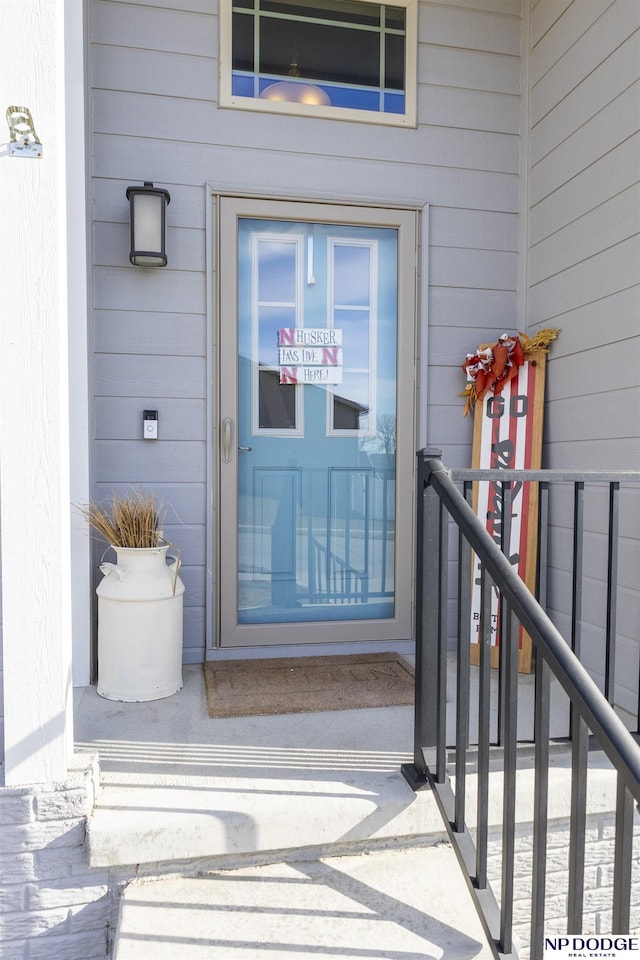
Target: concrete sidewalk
[(392, 905)]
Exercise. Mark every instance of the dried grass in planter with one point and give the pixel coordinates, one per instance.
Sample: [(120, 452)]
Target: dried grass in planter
[(127, 521)]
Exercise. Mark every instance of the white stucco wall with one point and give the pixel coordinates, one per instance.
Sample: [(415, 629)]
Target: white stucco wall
[(34, 417)]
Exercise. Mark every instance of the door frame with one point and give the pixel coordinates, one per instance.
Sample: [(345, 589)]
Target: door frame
[(223, 209)]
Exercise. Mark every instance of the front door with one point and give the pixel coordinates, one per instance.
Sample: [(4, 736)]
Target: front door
[(317, 405)]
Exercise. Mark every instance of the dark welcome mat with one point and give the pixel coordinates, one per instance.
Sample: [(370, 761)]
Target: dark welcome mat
[(243, 688)]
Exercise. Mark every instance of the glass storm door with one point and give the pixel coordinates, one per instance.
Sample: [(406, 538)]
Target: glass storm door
[(316, 426)]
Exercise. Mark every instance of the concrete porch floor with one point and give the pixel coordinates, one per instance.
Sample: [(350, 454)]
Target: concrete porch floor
[(177, 784), (292, 835)]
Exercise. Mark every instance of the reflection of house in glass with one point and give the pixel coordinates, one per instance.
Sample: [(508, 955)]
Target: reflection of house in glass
[(277, 407), (276, 401), (347, 414)]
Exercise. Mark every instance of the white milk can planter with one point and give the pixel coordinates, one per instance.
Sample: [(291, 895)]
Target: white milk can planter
[(140, 625)]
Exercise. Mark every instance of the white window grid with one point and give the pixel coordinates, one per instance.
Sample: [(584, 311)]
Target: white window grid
[(228, 99), (297, 240), (371, 310)]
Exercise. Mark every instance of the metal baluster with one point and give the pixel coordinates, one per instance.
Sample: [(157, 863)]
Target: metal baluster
[(623, 857), (576, 582), (541, 750), (579, 736), (484, 706), (540, 804), (463, 671), (543, 543), (510, 664), (579, 759), (441, 761), (576, 586), (612, 587), (503, 634)]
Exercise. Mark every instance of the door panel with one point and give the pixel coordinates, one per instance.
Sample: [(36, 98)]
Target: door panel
[(317, 320)]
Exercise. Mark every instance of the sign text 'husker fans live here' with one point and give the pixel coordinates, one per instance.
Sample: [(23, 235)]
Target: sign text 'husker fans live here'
[(310, 355)]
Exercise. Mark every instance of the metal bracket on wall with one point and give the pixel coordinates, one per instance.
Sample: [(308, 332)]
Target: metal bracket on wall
[(24, 139)]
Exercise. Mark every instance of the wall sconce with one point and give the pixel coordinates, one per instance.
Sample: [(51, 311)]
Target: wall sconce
[(148, 220)]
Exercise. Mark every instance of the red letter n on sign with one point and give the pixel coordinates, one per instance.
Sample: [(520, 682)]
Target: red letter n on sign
[(288, 374), (330, 356), (286, 336)]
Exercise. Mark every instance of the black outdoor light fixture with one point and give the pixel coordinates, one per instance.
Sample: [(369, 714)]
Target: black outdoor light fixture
[(148, 219)]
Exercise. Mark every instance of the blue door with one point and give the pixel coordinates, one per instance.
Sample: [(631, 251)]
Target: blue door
[(312, 407)]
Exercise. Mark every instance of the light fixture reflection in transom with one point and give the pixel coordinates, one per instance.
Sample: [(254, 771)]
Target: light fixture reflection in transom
[(296, 91)]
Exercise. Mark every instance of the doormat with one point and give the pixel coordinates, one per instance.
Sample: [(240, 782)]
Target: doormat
[(244, 688)]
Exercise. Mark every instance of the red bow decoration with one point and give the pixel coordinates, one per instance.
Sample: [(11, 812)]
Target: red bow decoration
[(492, 366)]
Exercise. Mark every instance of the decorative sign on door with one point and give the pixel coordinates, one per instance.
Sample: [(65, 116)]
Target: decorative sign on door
[(505, 389), (310, 355)]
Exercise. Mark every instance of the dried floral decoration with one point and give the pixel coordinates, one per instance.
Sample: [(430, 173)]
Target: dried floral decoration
[(493, 365), (127, 521)]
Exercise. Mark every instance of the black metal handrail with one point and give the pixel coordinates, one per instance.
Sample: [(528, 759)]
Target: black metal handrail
[(440, 502)]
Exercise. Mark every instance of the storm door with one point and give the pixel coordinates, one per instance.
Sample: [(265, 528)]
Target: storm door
[(316, 422)]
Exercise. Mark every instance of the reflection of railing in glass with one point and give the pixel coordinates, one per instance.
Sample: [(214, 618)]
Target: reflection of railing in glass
[(323, 546), (353, 564), (331, 580)]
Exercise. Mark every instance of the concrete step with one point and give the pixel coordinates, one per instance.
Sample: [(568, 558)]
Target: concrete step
[(396, 904), (228, 817), (249, 785)]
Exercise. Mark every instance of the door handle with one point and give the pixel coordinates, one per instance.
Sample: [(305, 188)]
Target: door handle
[(227, 432), (248, 449)]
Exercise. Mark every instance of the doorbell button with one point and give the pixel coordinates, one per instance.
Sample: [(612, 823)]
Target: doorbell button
[(150, 424)]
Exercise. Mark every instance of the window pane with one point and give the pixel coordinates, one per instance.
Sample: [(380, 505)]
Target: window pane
[(394, 18), (270, 320), (367, 14), (351, 280), (394, 62), (316, 476), (352, 53), (394, 102), (355, 337), (321, 52), (242, 42), (276, 272)]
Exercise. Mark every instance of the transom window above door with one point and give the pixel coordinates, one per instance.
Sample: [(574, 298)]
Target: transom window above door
[(345, 59)]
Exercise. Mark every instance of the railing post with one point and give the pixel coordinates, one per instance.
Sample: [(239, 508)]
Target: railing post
[(426, 623)]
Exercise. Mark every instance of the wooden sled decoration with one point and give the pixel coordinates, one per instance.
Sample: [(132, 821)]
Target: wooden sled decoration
[(506, 393)]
